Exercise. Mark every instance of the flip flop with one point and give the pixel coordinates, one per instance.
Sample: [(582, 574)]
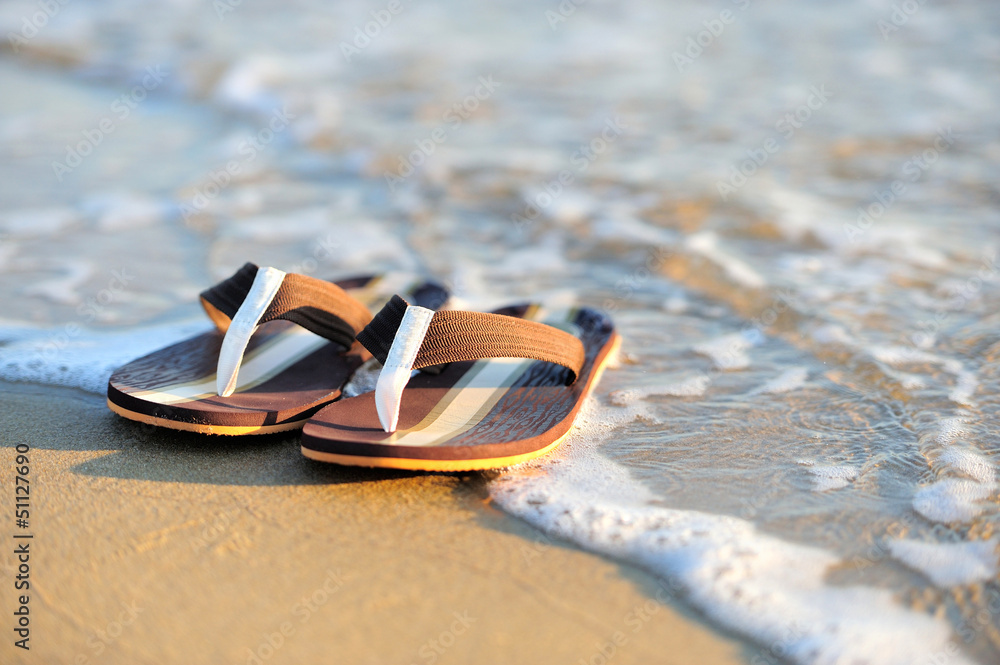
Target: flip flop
[(283, 348), (509, 389)]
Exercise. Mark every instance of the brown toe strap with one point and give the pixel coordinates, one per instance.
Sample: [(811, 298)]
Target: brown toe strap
[(455, 336), (316, 305)]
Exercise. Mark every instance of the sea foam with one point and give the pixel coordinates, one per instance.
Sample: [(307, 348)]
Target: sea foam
[(765, 588), (952, 500), (728, 352), (949, 564), (77, 357), (828, 477), (972, 463), (789, 380)]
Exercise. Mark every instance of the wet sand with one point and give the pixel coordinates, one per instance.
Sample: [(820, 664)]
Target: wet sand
[(160, 547)]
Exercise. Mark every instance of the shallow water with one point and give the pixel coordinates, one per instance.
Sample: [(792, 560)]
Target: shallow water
[(799, 437)]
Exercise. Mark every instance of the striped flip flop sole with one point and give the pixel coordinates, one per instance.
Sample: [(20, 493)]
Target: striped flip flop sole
[(287, 375), (473, 415)]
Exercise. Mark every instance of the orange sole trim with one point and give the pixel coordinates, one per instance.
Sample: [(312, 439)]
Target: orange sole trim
[(225, 430)]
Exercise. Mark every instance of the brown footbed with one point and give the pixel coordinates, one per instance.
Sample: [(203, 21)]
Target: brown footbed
[(532, 414), (294, 394)]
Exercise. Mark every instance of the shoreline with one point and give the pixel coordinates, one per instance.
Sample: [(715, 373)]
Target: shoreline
[(155, 546)]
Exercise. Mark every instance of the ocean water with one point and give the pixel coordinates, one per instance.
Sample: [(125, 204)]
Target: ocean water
[(789, 208)]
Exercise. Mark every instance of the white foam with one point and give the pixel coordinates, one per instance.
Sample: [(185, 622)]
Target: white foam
[(972, 463), (8, 251), (906, 380), (364, 379), (706, 243), (966, 382), (267, 81), (800, 214), (76, 357), (949, 564), (572, 206), (676, 304), (290, 225), (728, 351), (831, 477), (832, 334), (623, 225), (37, 221), (691, 387), (246, 83), (545, 255), (952, 429), (125, 211), (768, 589), (62, 289), (952, 500), (352, 244), (903, 355), (789, 380), (908, 243), (256, 83)]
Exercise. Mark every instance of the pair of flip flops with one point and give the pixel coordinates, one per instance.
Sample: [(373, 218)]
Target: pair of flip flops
[(455, 390)]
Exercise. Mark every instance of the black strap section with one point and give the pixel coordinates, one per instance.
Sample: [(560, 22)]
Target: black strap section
[(229, 294), (378, 335)]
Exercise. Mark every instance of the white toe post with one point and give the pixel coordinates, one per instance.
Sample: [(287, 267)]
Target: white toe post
[(242, 326), (399, 364)]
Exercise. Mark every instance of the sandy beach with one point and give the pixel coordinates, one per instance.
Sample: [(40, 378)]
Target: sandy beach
[(154, 547)]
